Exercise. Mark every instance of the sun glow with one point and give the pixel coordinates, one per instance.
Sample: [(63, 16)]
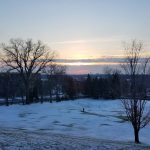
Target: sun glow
[(86, 63)]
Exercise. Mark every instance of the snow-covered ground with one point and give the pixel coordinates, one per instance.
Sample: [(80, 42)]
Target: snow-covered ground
[(27, 140), (101, 119)]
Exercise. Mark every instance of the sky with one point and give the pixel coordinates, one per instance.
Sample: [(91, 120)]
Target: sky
[(77, 29)]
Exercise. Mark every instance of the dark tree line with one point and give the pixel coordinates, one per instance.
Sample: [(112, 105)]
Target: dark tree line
[(107, 87), (59, 87)]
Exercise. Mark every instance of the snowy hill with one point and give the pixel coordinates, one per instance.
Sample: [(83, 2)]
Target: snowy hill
[(23, 140), (102, 119)]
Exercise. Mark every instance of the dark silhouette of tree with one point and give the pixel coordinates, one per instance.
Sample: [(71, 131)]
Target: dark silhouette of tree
[(107, 87), (88, 86), (54, 75), (135, 66), (115, 85), (95, 88), (70, 87), (6, 86), (27, 58)]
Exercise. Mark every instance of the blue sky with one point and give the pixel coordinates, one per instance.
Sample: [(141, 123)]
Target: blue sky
[(77, 29)]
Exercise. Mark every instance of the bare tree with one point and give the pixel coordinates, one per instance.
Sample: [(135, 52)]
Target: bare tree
[(54, 69), (27, 58), (135, 66), (54, 73)]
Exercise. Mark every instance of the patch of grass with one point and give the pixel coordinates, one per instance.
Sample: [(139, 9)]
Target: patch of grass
[(81, 128), (71, 109), (68, 111), (105, 124), (45, 129), (42, 117), (76, 118), (55, 122), (24, 114), (122, 118), (68, 125), (94, 114), (21, 129), (116, 111)]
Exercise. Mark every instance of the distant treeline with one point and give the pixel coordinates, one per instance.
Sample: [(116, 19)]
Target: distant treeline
[(108, 88), (63, 87), (116, 86), (43, 88)]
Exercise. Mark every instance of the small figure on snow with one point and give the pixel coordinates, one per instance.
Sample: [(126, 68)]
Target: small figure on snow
[(83, 110)]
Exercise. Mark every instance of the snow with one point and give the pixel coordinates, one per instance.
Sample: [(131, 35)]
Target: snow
[(31, 140), (100, 119)]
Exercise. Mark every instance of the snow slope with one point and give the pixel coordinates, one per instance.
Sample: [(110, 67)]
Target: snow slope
[(101, 119), (29, 140)]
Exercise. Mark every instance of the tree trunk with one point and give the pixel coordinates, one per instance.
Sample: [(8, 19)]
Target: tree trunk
[(7, 96), (136, 136), (50, 94), (7, 101), (27, 94)]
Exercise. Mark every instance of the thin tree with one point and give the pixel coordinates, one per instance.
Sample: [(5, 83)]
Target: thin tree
[(54, 73), (27, 58), (135, 66)]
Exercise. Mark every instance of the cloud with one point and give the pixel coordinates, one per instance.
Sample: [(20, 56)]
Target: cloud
[(94, 40), (94, 60)]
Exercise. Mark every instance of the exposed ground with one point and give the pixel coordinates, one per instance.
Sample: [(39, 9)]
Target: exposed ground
[(25, 140)]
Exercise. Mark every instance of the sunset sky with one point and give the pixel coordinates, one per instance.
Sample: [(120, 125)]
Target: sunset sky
[(78, 29)]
